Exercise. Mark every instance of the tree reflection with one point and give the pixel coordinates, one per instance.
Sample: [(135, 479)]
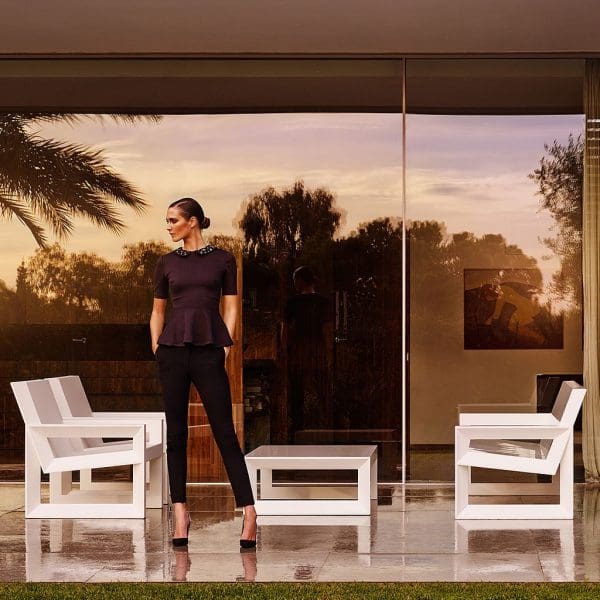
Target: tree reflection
[(560, 185), (56, 286)]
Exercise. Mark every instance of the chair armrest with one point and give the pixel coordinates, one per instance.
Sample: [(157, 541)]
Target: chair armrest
[(513, 432), (535, 419), (128, 415), (154, 427), (488, 407), (93, 428)]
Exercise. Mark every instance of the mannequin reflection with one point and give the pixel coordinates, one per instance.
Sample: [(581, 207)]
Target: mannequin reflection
[(248, 557), (182, 564)]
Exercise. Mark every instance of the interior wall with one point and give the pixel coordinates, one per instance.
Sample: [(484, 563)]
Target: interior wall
[(443, 369)]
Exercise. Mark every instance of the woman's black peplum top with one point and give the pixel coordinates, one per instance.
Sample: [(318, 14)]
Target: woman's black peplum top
[(195, 281)]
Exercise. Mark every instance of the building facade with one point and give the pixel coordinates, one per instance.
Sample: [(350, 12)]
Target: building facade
[(431, 157)]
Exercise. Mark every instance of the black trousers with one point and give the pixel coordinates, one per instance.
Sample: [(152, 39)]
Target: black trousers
[(204, 366)]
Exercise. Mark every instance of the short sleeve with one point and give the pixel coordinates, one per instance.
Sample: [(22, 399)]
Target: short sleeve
[(161, 282), (229, 286)]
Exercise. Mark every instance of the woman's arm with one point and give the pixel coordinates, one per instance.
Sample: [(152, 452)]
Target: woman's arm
[(157, 321), (230, 315)]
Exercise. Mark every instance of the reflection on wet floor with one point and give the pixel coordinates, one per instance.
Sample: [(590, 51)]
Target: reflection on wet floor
[(411, 536)]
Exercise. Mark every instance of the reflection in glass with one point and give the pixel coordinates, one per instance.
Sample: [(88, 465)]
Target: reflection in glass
[(314, 190), (494, 212), (332, 374), (307, 343)]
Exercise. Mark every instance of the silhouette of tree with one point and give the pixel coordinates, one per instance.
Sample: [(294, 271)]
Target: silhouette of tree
[(367, 277), (560, 185), (131, 290), (8, 303), (68, 285), (55, 286), (280, 230), (138, 261), (228, 242), (437, 264), (279, 225), (44, 182)]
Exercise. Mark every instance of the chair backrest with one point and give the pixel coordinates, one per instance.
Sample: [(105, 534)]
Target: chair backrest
[(70, 396), (568, 403), (73, 402), (38, 406)]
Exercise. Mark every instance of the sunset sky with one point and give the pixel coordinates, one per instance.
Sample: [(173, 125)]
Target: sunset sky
[(468, 171)]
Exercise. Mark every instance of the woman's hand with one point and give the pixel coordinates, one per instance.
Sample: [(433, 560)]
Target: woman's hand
[(157, 322), (230, 311)]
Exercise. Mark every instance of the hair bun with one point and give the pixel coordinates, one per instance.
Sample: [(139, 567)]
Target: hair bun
[(206, 223)]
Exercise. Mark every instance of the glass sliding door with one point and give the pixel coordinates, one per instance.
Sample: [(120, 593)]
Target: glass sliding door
[(309, 202), (493, 175), (323, 286)]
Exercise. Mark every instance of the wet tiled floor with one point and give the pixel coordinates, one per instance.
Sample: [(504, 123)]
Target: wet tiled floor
[(411, 536)]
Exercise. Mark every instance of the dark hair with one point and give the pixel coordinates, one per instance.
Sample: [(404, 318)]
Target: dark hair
[(305, 274), (191, 208)]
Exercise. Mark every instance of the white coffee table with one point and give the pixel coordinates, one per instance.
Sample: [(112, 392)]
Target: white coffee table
[(288, 499)]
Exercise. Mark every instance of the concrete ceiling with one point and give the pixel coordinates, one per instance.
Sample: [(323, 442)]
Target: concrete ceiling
[(469, 56), (325, 28), (494, 86)]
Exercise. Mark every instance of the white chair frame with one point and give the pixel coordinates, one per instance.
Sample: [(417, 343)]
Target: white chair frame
[(504, 431), (57, 448), (73, 403)]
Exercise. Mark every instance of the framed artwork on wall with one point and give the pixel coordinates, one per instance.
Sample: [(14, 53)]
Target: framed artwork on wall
[(505, 309)]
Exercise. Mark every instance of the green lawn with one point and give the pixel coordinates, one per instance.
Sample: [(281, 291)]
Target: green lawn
[(297, 591)]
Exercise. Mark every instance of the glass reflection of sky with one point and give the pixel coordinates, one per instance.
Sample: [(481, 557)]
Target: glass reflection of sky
[(467, 171), (471, 173)]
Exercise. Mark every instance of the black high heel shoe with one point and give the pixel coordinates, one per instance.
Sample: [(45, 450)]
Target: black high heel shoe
[(246, 544), (183, 541)]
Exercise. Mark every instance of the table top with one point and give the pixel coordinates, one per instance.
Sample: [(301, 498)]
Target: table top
[(310, 451)]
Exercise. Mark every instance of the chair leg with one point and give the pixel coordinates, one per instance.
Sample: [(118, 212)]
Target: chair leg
[(61, 485), (462, 476), (566, 479), (85, 479), (155, 486), (33, 478), (139, 489), (165, 480)]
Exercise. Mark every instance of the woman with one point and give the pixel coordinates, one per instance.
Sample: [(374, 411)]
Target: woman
[(192, 348)]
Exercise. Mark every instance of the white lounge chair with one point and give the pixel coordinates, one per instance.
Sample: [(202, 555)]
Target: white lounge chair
[(57, 447), (73, 403), (538, 443)]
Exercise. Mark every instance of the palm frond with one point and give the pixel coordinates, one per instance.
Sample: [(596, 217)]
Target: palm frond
[(12, 207), (61, 180), (73, 118)]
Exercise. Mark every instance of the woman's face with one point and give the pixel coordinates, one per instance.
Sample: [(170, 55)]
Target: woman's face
[(178, 226)]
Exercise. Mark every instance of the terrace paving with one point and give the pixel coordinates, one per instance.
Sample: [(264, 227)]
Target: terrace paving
[(411, 536)]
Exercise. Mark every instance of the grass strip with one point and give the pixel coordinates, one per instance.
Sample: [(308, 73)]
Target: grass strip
[(298, 591)]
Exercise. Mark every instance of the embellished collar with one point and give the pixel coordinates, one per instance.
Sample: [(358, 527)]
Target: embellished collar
[(200, 252)]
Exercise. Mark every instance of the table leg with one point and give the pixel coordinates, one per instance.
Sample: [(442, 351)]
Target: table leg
[(364, 492), (252, 474), (374, 476), (266, 484)]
